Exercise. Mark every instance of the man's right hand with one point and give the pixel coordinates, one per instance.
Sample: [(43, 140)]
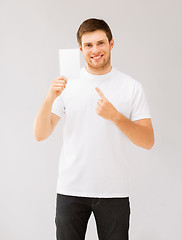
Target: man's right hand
[(57, 86)]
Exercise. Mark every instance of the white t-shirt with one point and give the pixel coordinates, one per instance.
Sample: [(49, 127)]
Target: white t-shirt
[(93, 159)]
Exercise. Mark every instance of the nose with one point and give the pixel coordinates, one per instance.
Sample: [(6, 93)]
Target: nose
[(95, 49)]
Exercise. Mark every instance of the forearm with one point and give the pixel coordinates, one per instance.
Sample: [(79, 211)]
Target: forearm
[(42, 123), (140, 135)]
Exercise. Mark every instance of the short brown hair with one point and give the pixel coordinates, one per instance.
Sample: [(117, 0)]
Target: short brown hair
[(91, 25)]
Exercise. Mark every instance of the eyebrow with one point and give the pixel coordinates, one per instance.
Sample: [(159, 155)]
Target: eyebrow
[(104, 40)]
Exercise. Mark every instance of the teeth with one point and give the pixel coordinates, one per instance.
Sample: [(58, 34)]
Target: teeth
[(98, 57)]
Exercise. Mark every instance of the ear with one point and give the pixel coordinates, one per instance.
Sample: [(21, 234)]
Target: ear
[(112, 43), (80, 47)]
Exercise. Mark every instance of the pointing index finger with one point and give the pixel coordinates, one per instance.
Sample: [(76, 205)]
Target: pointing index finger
[(101, 94)]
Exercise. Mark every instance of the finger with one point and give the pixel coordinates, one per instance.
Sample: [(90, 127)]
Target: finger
[(101, 94), (59, 88), (100, 102), (62, 78), (59, 84), (59, 81)]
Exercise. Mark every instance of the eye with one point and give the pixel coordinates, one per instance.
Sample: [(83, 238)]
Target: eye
[(101, 43), (88, 45)]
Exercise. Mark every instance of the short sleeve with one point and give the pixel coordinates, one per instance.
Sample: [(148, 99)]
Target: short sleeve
[(58, 107), (140, 108)]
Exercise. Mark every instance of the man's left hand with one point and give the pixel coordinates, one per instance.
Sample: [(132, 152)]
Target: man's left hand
[(104, 108)]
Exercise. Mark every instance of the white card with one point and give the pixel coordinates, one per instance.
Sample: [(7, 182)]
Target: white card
[(69, 62)]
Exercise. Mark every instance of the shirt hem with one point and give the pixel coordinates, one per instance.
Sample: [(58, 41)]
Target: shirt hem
[(140, 117), (113, 195)]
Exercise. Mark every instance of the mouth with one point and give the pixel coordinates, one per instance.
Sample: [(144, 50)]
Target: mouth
[(97, 57)]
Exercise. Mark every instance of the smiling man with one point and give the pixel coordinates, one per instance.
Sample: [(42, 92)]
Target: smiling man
[(96, 49), (104, 111)]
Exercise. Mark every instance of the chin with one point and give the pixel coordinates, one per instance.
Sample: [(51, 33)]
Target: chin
[(99, 65)]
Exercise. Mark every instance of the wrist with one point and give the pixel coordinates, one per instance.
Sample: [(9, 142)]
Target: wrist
[(116, 117), (49, 98)]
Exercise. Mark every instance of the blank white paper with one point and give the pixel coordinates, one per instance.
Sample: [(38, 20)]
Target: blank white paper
[(69, 62)]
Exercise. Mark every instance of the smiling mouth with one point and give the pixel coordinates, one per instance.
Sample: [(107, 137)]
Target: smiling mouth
[(97, 57)]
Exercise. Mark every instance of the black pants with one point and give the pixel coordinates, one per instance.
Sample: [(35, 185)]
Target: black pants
[(111, 216)]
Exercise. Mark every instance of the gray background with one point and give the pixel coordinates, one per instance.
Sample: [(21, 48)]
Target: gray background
[(147, 47)]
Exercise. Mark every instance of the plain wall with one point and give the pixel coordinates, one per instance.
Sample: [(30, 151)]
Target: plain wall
[(148, 36)]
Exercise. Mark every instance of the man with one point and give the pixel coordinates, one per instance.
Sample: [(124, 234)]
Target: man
[(103, 111)]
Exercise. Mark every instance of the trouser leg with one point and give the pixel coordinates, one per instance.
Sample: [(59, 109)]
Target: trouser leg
[(72, 215), (112, 218)]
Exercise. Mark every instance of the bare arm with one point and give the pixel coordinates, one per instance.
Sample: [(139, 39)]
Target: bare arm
[(140, 132), (45, 120)]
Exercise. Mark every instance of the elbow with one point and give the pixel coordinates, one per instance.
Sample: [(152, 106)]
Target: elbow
[(149, 147), (151, 143), (38, 137)]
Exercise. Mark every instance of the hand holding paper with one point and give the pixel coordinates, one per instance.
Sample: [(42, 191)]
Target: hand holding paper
[(57, 86)]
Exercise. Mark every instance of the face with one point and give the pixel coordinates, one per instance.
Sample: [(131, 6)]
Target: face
[(96, 51)]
